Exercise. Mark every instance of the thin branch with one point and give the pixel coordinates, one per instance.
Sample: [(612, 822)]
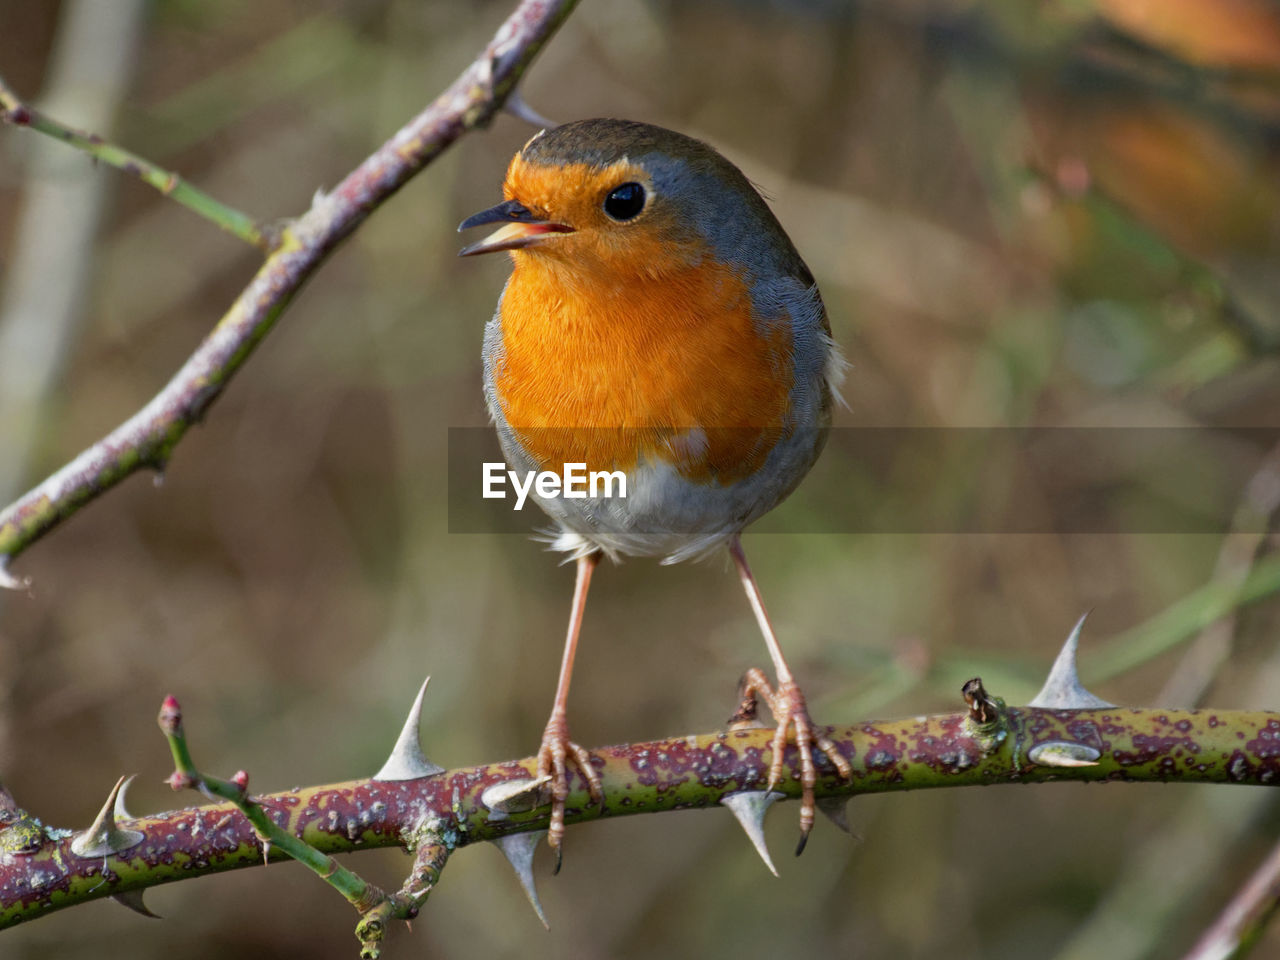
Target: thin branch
[(1241, 548), (1243, 920), (147, 439), (428, 862), (13, 110)]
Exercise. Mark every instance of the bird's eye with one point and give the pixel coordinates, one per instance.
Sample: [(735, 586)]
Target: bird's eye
[(624, 202)]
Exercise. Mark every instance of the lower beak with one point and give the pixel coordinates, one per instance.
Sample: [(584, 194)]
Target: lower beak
[(520, 229), (513, 236)]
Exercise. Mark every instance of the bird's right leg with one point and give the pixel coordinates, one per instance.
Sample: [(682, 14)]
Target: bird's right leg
[(558, 752)]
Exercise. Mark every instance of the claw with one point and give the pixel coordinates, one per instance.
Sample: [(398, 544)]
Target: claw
[(787, 704), (554, 758)]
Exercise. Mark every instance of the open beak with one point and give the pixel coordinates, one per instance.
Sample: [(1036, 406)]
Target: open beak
[(521, 228)]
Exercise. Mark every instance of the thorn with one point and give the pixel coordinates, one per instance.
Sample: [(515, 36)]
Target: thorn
[(802, 843), (836, 809), (518, 848), (749, 807), (133, 900), (407, 761), (517, 107), (1062, 690), (515, 796), (121, 812), (7, 580), (1063, 753), (103, 836), (266, 852)]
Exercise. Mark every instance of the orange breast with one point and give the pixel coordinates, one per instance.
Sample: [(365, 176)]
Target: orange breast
[(606, 369)]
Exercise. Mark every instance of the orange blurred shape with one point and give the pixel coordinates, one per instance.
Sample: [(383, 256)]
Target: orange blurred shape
[(1240, 34), (1183, 176)]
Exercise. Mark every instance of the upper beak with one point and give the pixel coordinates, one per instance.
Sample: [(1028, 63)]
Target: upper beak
[(521, 228)]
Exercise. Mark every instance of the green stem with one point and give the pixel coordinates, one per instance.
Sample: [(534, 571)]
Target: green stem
[(358, 892), (13, 110), (1182, 620), (355, 889)]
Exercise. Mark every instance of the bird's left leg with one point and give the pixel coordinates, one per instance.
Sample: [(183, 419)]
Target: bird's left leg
[(787, 704)]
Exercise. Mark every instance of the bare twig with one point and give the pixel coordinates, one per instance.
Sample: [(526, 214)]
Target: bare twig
[(1199, 666), (147, 439), (1242, 922)]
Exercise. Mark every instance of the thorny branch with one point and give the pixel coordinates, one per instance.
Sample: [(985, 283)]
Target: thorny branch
[(148, 438), (990, 743)]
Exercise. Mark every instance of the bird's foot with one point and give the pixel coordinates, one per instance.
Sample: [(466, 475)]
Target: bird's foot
[(787, 704), (555, 757)]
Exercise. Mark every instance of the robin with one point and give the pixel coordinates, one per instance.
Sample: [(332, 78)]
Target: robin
[(657, 322)]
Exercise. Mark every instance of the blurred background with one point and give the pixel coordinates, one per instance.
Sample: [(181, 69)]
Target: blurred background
[(1051, 214)]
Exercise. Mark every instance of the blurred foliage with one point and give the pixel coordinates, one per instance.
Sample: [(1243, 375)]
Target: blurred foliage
[(1061, 213)]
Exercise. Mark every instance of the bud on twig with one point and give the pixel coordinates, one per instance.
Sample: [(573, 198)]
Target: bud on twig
[(170, 718)]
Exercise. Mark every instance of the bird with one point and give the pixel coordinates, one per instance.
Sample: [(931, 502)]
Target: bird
[(659, 322)]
